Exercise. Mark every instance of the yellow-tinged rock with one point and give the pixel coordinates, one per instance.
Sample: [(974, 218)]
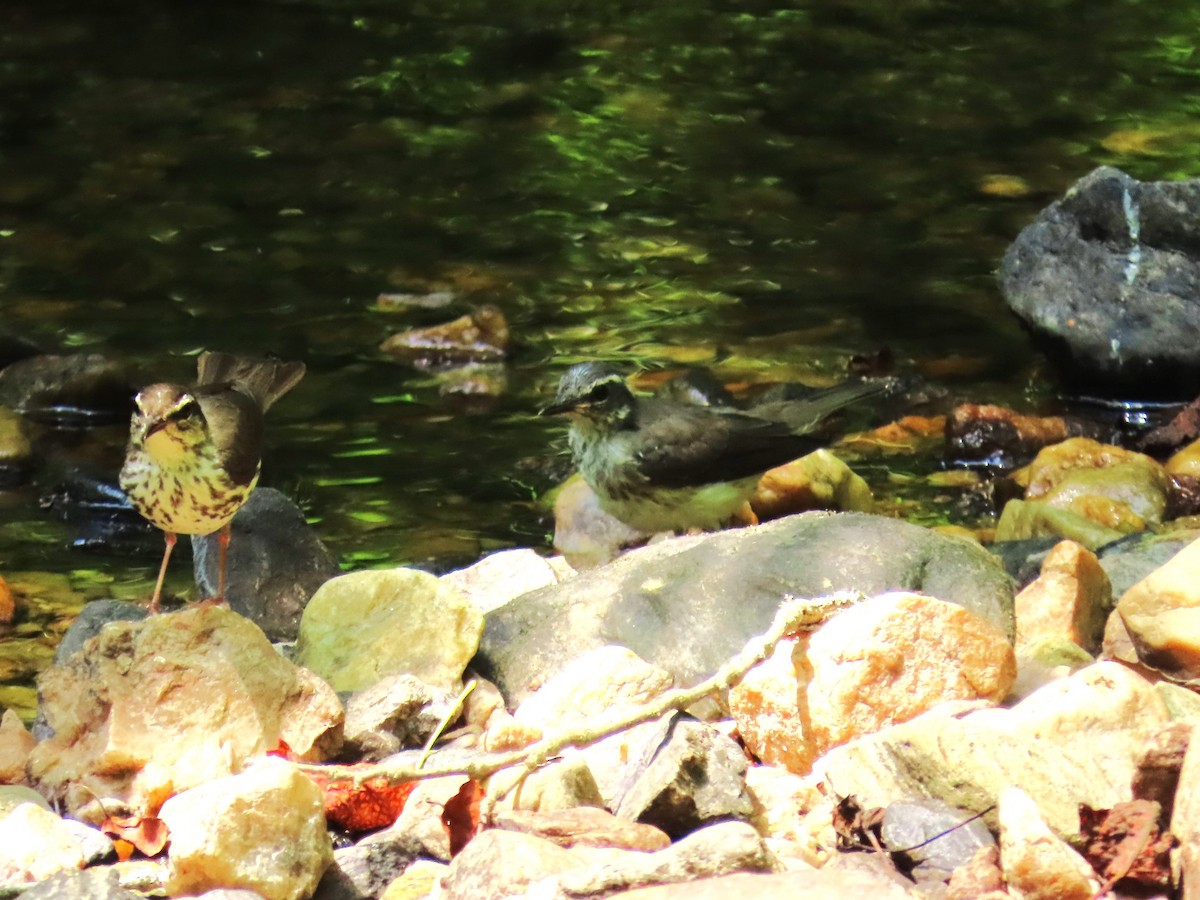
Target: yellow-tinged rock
[(1124, 496), (1161, 614), (362, 627), (14, 443), (15, 745), (1053, 463), (817, 481), (1069, 600), (1037, 864), (1022, 519), (1186, 461), (883, 661)]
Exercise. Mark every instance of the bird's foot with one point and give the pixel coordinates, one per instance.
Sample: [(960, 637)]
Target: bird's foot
[(212, 601)]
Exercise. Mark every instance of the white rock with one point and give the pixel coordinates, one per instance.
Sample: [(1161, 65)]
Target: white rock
[(499, 577), (1037, 864), (36, 843)]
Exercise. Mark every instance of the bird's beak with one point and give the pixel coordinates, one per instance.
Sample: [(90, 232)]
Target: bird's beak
[(152, 427), (557, 408)]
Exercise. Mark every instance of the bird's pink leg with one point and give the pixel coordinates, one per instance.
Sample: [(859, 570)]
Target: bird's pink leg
[(155, 606), (223, 537)]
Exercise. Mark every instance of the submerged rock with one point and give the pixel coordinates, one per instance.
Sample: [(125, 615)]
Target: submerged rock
[(481, 336), (79, 390)]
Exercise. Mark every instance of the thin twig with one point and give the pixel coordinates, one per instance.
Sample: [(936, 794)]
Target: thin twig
[(449, 717)]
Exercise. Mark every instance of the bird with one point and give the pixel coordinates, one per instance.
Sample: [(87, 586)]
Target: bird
[(661, 465), (195, 452)]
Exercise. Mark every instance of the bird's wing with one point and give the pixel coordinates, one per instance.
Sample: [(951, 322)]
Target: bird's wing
[(680, 446), (235, 424)]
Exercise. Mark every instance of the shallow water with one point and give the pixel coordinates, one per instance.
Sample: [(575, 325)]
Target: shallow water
[(769, 189)]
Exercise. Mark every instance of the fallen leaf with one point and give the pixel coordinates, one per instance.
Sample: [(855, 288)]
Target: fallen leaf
[(363, 806), (1128, 844), (460, 815), (148, 834)]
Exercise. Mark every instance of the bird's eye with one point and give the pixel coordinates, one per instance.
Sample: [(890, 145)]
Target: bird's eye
[(600, 393)]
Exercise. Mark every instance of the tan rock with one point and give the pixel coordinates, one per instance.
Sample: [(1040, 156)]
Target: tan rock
[(36, 843), (817, 481), (585, 534), (584, 827), (15, 745), (882, 661), (1185, 461), (1070, 599), (422, 814), (978, 878), (417, 882), (1162, 615), (262, 830), (1037, 864), (498, 864), (500, 577), (1117, 643), (156, 706), (1185, 821), (360, 627), (810, 885)]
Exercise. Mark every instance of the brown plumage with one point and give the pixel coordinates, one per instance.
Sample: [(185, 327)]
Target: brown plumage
[(194, 452)]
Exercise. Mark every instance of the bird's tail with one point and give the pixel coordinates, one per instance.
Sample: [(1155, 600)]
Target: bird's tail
[(805, 414), (266, 380)]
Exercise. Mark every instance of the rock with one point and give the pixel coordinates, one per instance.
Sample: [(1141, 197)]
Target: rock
[(15, 745), (1022, 559), (979, 878), (811, 885), (399, 711), (1133, 557), (1185, 821), (719, 849), (566, 783), (936, 837), (1023, 520), (1077, 740), (1106, 279), (1000, 436), (150, 708), (74, 391), (95, 844), (498, 864), (1037, 864), (604, 680), (261, 830), (421, 819), (696, 778), (91, 619), (817, 481), (363, 871), (361, 627), (585, 827), (1161, 614), (1156, 778), (13, 795), (418, 882), (276, 563), (1070, 600), (36, 843), (91, 884), (669, 603), (481, 336), (16, 452), (778, 797), (882, 661), (584, 533), (500, 577)]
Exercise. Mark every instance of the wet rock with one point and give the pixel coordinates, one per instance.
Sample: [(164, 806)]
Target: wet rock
[(98, 512), (398, 711), (276, 563), (261, 830), (1070, 600), (481, 336), (882, 661), (90, 884), (36, 843), (499, 577), (16, 451), (1000, 436), (15, 745), (584, 533), (1106, 280), (74, 391), (1076, 740), (694, 779), (1022, 559), (363, 871), (1038, 864), (585, 827), (936, 838), (1133, 557), (150, 708), (670, 602), (359, 628), (431, 300), (817, 481), (1161, 615), (1024, 520)]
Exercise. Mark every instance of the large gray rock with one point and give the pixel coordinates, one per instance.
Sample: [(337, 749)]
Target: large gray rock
[(1109, 278), (276, 563), (688, 604)]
